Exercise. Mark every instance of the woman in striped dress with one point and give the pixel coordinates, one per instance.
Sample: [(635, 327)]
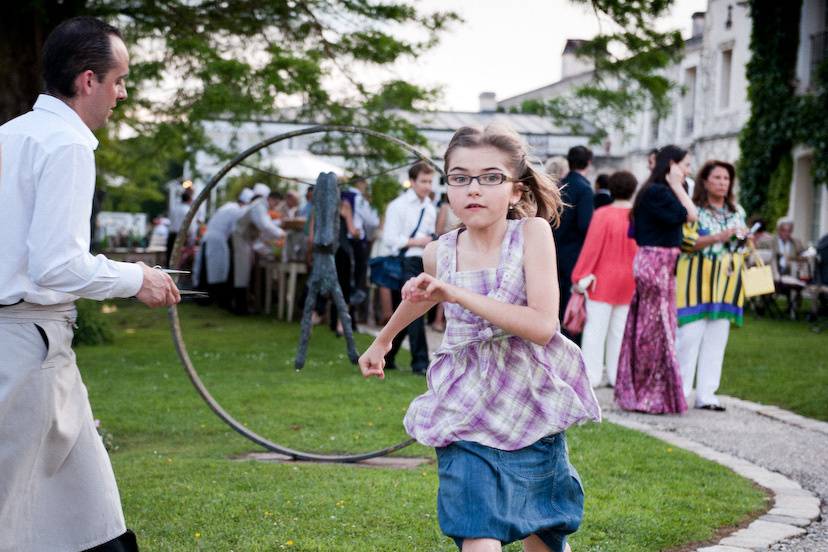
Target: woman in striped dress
[(709, 293)]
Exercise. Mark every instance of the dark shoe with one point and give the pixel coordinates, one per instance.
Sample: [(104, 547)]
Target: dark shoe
[(712, 407), (390, 367), (124, 543), (418, 372)]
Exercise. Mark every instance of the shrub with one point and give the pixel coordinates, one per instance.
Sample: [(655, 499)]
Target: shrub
[(92, 326)]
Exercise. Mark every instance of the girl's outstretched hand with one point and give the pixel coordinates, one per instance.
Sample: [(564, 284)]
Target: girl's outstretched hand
[(426, 287), (372, 361)]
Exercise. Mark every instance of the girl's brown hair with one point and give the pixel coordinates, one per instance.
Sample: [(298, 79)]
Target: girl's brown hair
[(700, 192), (539, 196)]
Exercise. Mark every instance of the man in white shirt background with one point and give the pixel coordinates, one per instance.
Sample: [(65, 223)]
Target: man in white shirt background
[(57, 488), (409, 227)]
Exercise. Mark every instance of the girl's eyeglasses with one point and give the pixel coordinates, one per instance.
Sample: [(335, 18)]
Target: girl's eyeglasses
[(488, 179)]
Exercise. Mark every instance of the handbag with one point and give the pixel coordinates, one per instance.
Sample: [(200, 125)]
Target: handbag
[(575, 314), (387, 271), (758, 279), (689, 237)]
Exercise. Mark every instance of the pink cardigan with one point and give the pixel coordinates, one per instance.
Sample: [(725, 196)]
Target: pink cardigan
[(608, 254)]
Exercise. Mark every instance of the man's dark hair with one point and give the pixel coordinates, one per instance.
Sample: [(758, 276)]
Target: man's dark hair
[(76, 45), (622, 185), (579, 158), (418, 168), (602, 181)]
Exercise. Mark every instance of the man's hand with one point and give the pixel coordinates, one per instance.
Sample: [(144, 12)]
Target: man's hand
[(158, 289)]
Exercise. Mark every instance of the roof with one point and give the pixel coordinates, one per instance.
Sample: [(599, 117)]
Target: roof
[(452, 120)]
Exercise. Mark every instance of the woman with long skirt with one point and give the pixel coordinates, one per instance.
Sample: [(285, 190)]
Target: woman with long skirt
[(649, 378)]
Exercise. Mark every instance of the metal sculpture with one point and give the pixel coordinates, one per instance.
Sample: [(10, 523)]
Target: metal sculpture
[(323, 277), (175, 323)]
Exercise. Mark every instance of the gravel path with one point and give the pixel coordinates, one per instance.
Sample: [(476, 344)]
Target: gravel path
[(799, 453)]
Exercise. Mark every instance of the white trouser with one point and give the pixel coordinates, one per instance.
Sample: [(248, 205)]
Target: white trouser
[(603, 333), (702, 344)]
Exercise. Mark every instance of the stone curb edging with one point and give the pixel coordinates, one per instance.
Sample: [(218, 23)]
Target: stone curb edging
[(779, 414), (793, 508)]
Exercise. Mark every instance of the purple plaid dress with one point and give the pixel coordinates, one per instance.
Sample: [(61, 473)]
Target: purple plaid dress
[(490, 387)]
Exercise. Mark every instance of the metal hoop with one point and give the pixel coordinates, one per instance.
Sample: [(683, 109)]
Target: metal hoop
[(175, 325)]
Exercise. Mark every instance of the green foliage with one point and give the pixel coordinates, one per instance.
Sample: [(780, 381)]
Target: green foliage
[(93, 328), (779, 191), (626, 79), (383, 191), (240, 60), (769, 133), (812, 124)]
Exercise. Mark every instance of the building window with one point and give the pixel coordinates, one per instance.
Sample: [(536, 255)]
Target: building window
[(724, 78), (819, 49), (688, 107)]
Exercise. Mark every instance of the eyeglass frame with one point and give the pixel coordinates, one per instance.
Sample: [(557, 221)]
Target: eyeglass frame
[(479, 183)]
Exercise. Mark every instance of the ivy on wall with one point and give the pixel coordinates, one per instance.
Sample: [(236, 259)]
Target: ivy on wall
[(812, 123), (771, 131)]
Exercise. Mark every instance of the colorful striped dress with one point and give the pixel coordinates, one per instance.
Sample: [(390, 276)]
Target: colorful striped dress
[(709, 281)]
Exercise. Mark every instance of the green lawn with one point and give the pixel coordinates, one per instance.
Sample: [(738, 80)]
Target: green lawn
[(182, 490), (778, 362)]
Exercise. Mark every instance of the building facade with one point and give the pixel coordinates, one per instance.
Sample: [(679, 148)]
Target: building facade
[(710, 106)]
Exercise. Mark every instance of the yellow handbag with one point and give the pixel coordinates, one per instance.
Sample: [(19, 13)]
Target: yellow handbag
[(758, 279)]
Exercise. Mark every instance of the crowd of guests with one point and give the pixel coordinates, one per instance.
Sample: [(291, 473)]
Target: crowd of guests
[(656, 266), (660, 276)]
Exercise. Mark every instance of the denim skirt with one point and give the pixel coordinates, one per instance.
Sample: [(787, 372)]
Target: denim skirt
[(508, 495)]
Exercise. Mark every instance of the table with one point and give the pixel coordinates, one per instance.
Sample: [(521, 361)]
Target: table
[(287, 276)]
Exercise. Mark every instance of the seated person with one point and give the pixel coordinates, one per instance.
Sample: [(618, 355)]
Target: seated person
[(786, 263)]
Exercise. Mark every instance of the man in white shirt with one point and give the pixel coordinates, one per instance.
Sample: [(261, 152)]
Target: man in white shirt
[(57, 489), (409, 227), (211, 270), (253, 224)]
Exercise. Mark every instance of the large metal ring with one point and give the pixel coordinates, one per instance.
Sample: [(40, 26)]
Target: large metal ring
[(175, 325)]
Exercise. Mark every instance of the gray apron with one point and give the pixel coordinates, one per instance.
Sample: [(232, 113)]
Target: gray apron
[(57, 489)]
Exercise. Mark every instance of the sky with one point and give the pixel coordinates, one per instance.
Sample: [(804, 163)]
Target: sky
[(509, 46)]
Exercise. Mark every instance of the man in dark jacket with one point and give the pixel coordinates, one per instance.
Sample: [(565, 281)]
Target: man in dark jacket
[(577, 195)]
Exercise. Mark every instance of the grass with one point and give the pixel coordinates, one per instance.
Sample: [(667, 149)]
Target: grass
[(778, 362), (182, 491)]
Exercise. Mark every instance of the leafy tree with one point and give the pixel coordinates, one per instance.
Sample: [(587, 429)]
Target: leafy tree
[(233, 60), (628, 59)]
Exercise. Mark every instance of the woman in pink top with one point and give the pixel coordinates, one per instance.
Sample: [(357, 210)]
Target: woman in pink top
[(605, 271)]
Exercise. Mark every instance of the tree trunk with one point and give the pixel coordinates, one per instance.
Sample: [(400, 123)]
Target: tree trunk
[(24, 27)]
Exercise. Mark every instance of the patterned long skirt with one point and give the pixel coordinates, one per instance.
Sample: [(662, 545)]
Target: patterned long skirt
[(649, 379)]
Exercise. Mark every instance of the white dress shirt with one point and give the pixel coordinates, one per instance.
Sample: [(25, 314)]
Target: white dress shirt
[(366, 219), (401, 219), (47, 178)]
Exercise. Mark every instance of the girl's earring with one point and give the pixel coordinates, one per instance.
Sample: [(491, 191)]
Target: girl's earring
[(512, 206)]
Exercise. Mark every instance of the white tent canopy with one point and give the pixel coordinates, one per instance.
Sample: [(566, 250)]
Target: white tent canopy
[(301, 165)]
